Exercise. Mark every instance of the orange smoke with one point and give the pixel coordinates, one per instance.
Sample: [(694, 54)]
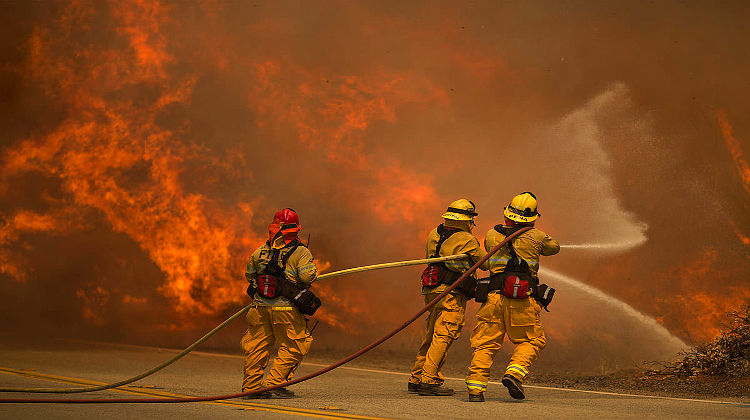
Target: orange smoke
[(735, 149), (114, 155), (690, 295), (743, 170), (742, 237), (95, 301), (710, 296), (57, 222), (140, 23), (178, 129), (333, 114)]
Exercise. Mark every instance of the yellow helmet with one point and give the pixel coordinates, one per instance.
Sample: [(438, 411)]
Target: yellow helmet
[(522, 208), (461, 209)]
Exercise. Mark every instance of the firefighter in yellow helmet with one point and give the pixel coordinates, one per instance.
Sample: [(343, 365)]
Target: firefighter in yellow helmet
[(282, 263), (511, 306), (446, 318)]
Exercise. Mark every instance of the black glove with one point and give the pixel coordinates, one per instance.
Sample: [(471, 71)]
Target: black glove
[(250, 290), (544, 295)]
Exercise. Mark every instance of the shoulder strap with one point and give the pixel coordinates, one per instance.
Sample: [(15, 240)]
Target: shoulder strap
[(507, 231), (444, 233), (273, 256), (272, 267), (286, 256), (273, 259)]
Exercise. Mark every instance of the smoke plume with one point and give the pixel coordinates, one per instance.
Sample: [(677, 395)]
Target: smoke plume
[(146, 146)]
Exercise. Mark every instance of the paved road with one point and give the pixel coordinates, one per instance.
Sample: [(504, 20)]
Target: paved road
[(344, 393)]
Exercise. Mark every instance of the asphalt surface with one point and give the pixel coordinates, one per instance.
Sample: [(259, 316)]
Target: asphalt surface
[(347, 392)]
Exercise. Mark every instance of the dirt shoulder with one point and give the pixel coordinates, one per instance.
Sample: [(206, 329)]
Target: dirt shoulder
[(640, 382)]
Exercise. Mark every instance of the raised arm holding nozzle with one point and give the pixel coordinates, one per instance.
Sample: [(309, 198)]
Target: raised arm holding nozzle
[(513, 300)]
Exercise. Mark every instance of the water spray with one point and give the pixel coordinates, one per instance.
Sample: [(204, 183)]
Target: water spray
[(606, 247), (617, 303)]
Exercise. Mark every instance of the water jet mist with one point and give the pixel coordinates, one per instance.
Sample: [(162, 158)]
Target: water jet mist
[(621, 306), (606, 247)]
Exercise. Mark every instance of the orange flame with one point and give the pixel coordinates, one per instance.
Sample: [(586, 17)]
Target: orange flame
[(743, 170), (735, 149), (707, 300), (58, 222), (743, 238), (334, 113), (112, 154), (95, 303), (123, 77)]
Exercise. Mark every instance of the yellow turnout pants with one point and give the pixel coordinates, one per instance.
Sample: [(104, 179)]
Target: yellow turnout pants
[(519, 319), (444, 325), (268, 325)]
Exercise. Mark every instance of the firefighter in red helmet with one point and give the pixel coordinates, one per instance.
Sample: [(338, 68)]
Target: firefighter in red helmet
[(281, 263)]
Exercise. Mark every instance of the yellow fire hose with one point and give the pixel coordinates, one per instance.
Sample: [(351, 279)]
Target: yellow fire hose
[(221, 326)]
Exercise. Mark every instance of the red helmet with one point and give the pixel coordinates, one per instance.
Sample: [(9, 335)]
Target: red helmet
[(287, 216)]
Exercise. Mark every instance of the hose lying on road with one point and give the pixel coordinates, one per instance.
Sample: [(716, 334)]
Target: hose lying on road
[(294, 381), (220, 327)]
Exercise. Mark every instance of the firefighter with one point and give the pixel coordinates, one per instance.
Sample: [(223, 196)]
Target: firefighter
[(446, 318), (273, 318), (506, 310)]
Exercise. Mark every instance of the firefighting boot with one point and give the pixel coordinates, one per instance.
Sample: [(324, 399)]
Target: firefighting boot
[(259, 396), (413, 388), (514, 387), (282, 393), (476, 397), (435, 389)]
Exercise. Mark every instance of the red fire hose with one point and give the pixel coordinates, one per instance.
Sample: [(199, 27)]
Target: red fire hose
[(292, 382)]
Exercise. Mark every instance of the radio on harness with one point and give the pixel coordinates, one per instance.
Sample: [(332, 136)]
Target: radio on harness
[(272, 283), (518, 282), (266, 286), (437, 273)]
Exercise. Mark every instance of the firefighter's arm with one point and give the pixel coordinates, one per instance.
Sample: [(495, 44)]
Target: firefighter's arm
[(549, 246), (306, 269), (475, 251), (251, 271), (432, 240), (491, 241)]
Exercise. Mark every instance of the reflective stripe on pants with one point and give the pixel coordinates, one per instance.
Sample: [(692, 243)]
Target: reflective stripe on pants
[(520, 320)]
